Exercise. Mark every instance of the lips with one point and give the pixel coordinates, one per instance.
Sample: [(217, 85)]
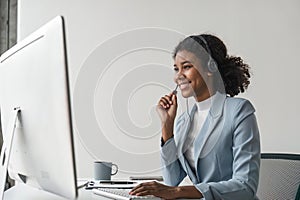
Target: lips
[(184, 85)]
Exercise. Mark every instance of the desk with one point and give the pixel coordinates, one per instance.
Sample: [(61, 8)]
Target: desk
[(25, 192)]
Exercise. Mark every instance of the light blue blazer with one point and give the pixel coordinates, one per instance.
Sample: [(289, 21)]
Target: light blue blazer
[(226, 151)]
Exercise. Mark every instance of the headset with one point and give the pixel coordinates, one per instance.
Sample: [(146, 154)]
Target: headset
[(211, 64)]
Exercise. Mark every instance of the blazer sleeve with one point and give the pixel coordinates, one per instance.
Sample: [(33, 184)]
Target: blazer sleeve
[(172, 170), (246, 159)]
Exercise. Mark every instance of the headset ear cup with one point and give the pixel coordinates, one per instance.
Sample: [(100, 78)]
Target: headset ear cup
[(212, 66)]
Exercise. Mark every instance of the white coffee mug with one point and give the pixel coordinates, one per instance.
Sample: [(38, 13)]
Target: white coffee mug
[(104, 170)]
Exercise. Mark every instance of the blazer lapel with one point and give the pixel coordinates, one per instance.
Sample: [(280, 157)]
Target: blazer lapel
[(208, 129), (200, 141), (181, 140)]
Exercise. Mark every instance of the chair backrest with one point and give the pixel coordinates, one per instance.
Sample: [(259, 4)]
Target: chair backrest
[(279, 176), (298, 194)]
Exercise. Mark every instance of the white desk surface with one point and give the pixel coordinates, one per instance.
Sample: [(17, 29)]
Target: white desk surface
[(24, 192)]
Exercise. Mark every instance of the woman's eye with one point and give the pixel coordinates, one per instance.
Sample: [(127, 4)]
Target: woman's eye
[(176, 69), (187, 67)]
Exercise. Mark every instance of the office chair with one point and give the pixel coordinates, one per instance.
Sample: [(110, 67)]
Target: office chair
[(298, 194), (279, 176)]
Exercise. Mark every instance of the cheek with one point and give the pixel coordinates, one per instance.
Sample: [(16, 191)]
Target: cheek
[(197, 81), (194, 75), (175, 78), (190, 74)]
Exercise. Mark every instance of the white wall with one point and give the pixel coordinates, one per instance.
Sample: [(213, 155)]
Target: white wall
[(115, 91)]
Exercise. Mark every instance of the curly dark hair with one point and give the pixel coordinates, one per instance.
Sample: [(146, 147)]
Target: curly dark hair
[(234, 72)]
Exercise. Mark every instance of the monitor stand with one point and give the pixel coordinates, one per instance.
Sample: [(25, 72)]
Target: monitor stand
[(6, 149)]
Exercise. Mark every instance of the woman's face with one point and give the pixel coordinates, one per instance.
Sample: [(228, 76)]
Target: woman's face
[(188, 71)]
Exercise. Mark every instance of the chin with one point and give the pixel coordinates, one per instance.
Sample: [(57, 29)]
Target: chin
[(186, 94)]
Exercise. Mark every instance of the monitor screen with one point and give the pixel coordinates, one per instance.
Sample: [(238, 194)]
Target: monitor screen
[(34, 78)]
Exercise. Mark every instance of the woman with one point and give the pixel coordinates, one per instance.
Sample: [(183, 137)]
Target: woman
[(216, 144)]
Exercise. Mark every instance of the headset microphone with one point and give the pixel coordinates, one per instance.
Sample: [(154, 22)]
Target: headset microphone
[(175, 90)]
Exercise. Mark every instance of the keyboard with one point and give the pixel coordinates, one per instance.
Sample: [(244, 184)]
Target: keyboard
[(120, 194)]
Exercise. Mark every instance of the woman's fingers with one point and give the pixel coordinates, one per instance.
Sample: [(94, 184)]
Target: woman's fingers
[(142, 189), (154, 188), (166, 101)]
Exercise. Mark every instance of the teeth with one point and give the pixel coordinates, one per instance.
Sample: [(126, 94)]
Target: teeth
[(184, 83)]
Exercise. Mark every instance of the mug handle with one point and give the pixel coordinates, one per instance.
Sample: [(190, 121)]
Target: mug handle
[(116, 169)]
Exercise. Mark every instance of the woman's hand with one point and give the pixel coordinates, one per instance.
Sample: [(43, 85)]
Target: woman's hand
[(166, 192), (154, 188), (166, 109)]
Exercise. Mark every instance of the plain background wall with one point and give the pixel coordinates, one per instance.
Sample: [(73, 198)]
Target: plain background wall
[(264, 33)]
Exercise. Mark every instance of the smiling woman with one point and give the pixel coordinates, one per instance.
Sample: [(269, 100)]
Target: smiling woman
[(217, 144), (188, 71)]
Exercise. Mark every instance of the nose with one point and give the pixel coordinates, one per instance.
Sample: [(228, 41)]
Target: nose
[(179, 76)]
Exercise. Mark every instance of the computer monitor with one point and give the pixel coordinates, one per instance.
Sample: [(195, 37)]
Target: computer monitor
[(34, 79)]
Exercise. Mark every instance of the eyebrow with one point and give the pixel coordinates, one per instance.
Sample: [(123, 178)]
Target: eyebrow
[(184, 62)]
